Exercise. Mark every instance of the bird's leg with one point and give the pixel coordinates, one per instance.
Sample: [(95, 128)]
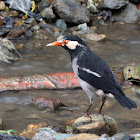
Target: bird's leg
[(86, 113), (103, 102)]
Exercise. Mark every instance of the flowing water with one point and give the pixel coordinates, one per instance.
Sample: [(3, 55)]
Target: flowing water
[(120, 48)]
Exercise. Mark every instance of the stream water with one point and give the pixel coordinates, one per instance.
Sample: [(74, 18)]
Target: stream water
[(120, 48)]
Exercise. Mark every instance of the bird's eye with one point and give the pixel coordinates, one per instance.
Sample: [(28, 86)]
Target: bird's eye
[(65, 42)]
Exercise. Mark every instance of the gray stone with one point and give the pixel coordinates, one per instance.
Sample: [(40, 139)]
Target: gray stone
[(130, 14), (61, 24), (113, 4), (43, 4), (48, 13), (128, 138), (83, 27), (21, 5), (31, 21), (91, 7), (36, 27), (71, 11)]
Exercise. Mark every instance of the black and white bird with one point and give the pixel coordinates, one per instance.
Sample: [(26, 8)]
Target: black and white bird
[(93, 73)]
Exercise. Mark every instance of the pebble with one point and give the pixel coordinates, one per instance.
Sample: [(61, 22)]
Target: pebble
[(2, 5), (28, 33), (36, 27), (61, 24)]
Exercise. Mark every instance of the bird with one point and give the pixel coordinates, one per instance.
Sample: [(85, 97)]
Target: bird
[(94, 75)]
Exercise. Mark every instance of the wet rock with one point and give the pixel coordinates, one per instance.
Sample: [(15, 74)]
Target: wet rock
[(128, 138), (14, 14), (83, 27), (8, 52), (71, 11), (35, 15), (43, 4), (47, 103), (84, 136), (28, 33), (20, 5), (42, 134), (36, 27), (15, 33), (96, 124), (61, 24), (7, 137), (113, 4), (39, 34), (95, 37), (47, 13), (91, 7), (2, 5), (4, 31), (94, 28), (130, 15), (9, 21), (31, 21), (50, 134), (31, 129)]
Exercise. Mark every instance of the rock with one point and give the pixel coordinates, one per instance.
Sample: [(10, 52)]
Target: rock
[(61, 24), (15, 33), (83, 26), (2, 5), (36, 27), (84, 136), (50, 134), (21, 5), (7, 137), (130, 15), (128, 138), (39, 34), (8, 52), (28, 33), (44, 133), (96, 124), (113, 4), (47, 103), (31, 21), (43, 4), (95, 37), (47, 13), (94, 28), (71, 11), (91, 7), (9, 21), (31, 129)]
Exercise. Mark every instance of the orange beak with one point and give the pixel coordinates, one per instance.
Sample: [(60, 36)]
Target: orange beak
[(56, 43)]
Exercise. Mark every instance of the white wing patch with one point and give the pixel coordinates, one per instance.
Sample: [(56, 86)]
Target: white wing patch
[(91, 72)]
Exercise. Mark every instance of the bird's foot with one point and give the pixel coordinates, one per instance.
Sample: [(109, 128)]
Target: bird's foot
[(86, 114)]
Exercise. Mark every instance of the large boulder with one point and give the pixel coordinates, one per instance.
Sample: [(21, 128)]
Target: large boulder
[(112, 4), (71, 11), (130, 14)]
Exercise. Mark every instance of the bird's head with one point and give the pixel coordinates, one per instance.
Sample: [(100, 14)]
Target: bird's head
[(71, 43)]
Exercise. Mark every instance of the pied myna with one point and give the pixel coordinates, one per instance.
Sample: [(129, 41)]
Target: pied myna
[(93, 73)]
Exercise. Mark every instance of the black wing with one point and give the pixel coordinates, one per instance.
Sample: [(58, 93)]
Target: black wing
[(107, 82)]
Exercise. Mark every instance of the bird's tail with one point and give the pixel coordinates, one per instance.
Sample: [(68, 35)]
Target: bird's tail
[(126, 102)]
